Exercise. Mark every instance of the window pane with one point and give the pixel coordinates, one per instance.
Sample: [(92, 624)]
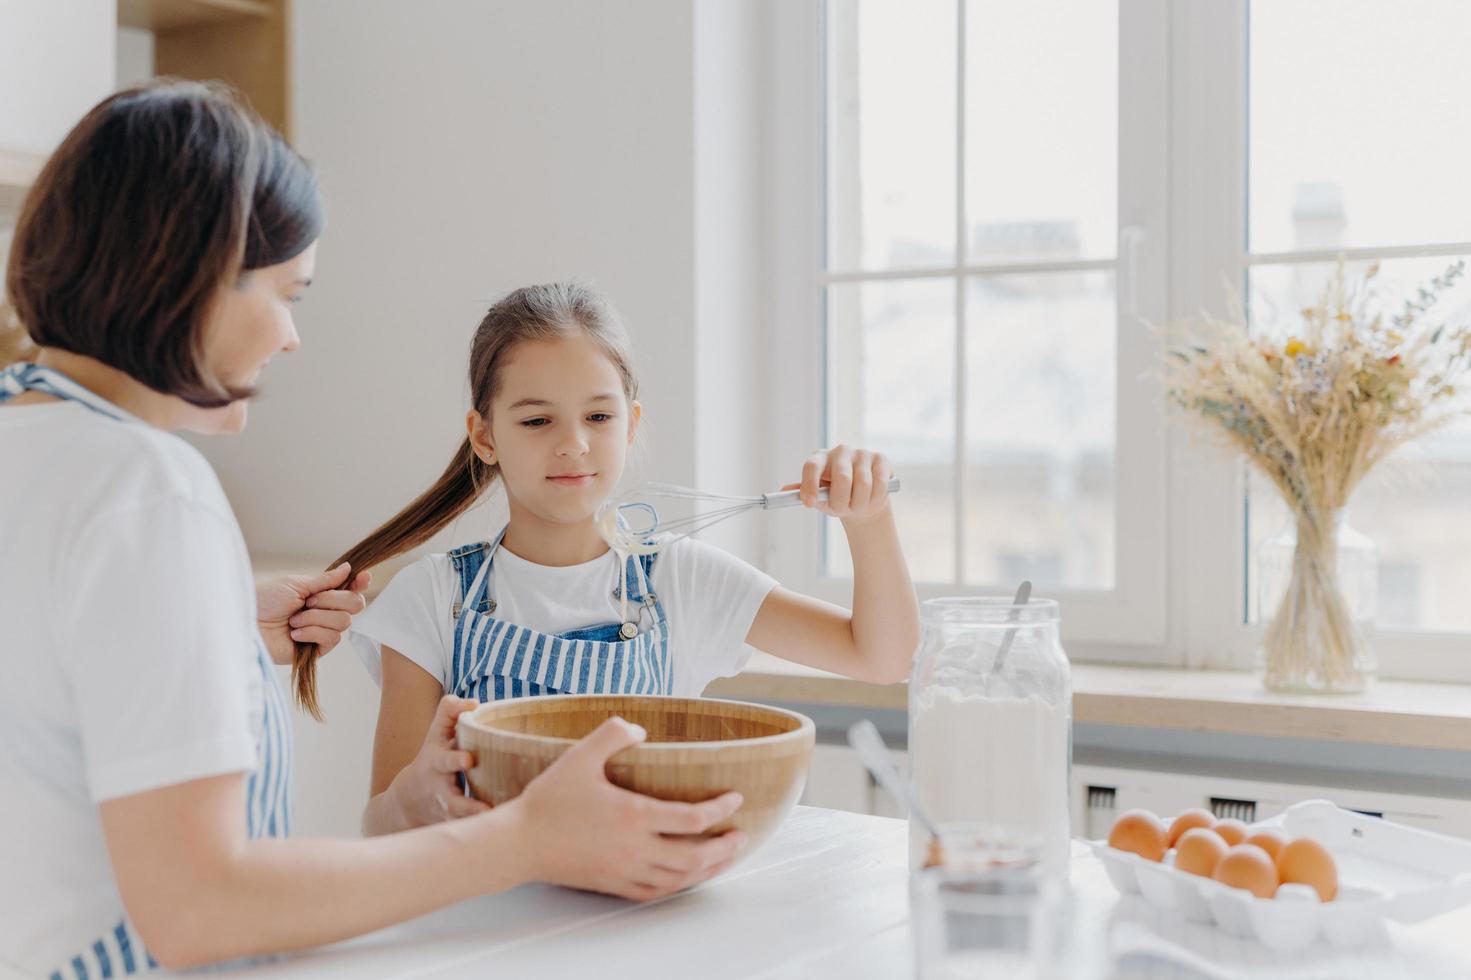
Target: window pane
[(1416, 508), (1359, 134), (891, 351), (1041, 130), (1040, 395), (891, 133)]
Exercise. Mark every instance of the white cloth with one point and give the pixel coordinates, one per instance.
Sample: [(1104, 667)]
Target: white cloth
[(126, 661), (710, 598)]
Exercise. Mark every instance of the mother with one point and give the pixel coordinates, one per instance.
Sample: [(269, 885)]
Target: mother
[(144, 743)]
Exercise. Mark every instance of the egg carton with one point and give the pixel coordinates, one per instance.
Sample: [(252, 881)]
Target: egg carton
[(1386, 872)]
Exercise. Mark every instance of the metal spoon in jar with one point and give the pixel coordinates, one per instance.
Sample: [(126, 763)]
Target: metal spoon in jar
[(869, 744), (1023, 596)]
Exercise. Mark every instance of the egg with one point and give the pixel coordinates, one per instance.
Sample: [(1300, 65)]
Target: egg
[(1139, 832), (1288, 892), (1188, 820), (1306, 862), (1199, 850), (1271, 841), (1232, 831), (1247, 866)]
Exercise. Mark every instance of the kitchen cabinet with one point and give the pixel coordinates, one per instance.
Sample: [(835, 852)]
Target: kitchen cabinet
[(242, 42), (63, 57)]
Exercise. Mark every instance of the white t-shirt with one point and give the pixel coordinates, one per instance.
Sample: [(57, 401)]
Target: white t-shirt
[(710, 599), (127, 660)]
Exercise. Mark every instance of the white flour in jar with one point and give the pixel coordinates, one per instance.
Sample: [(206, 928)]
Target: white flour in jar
[(995, 761)]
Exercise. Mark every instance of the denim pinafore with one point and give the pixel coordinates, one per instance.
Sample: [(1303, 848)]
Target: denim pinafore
[(494, 659)]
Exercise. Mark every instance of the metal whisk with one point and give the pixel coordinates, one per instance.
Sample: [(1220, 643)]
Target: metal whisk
[(634, 527)]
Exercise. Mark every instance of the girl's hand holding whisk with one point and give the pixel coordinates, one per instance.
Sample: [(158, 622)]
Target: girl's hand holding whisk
[(857, 482)]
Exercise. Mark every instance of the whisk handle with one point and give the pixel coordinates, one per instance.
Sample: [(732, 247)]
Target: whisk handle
[(793, 498)]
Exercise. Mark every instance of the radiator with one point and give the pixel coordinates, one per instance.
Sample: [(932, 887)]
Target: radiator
[(1099, 793)]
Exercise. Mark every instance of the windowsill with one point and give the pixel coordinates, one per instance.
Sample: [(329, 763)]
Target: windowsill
[(1413, 714)]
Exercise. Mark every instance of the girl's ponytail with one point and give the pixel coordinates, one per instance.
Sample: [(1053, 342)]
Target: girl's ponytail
[(461, 484)]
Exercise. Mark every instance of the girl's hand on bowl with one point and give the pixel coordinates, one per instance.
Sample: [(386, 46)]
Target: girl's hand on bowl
[(425, 791), (583, 832)]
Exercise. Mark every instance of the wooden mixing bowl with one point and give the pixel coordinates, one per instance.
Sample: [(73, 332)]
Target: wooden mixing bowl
[(697, 748)]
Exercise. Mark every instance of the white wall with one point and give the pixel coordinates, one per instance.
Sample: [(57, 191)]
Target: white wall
[(466, 148), (56, 61)]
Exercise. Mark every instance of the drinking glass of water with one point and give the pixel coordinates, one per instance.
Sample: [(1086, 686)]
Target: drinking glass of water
[(975, 921)]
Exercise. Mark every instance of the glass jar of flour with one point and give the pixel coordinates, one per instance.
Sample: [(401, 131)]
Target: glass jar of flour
[(990, 727)]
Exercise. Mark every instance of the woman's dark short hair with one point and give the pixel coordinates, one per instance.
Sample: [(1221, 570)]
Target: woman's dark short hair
[(161, 195)]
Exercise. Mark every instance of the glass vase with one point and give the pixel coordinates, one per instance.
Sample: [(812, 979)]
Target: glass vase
[(1319, 583)]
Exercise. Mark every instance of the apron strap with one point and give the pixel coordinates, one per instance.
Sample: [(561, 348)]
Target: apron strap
[(643, 570), (481, 581), (23, 377)]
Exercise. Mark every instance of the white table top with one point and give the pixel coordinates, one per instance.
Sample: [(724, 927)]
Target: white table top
[(826, 897)]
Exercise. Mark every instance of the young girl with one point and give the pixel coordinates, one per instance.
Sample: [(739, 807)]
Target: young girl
[(538, 608), (144, 745)]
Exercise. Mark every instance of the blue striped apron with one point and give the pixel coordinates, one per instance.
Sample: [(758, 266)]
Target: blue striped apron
[(268, 789), (494, 659)]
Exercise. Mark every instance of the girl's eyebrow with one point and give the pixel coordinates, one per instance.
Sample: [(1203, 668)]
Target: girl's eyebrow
[(541, 402)]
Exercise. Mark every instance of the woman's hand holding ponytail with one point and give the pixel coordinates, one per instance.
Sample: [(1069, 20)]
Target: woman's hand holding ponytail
[(308, 609)]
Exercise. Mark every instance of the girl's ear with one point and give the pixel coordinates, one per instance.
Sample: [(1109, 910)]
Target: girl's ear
[(635, 415), (479, 433)]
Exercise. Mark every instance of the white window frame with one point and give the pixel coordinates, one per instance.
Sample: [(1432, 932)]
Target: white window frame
[(1127, 622), (1180, 586)]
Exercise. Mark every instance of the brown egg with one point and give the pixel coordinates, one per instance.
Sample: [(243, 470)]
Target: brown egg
[(1187, 820), (1271, 841), (1139, 832), (1199, 850), (1306, 862), (1247, 866), (1232, 831)]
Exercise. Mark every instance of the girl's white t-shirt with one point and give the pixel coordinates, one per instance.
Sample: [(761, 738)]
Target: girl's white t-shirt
[(710, 599), (127, 624)]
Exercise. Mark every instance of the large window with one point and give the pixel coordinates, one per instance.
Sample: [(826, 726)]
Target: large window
[(1370, 163), (970, 278), (976, 286), (978, 206)]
